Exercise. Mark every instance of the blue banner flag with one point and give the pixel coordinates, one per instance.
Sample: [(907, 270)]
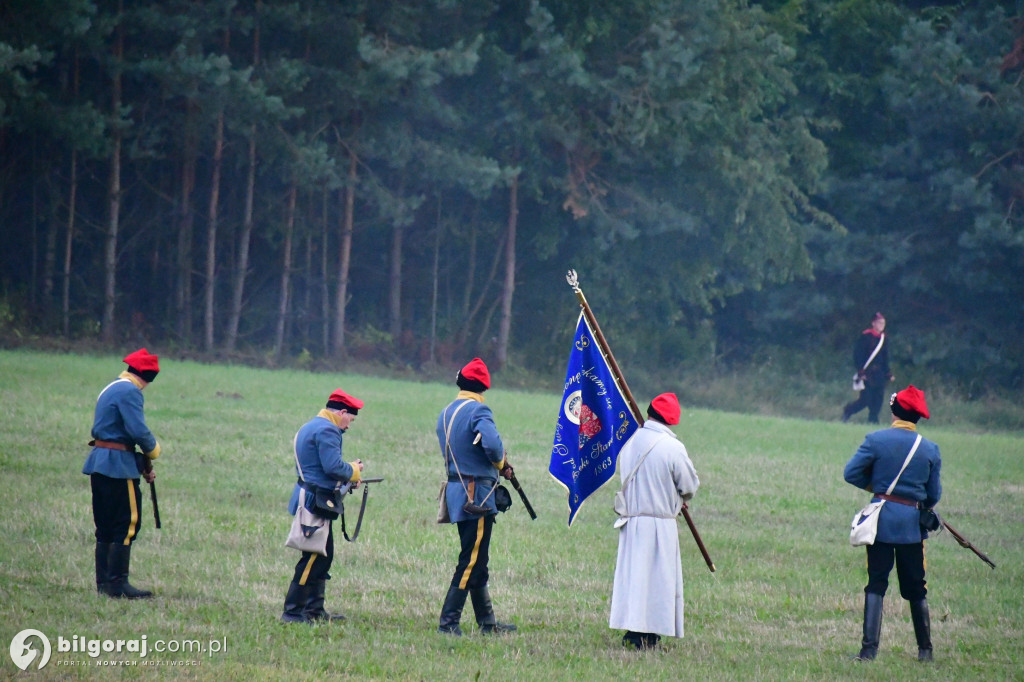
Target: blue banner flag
[(594, 421)]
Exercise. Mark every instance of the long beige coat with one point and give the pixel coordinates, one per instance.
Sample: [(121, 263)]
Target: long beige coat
[(647, 594)]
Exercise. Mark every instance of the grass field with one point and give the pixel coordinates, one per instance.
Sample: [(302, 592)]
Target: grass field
[(785, 603)]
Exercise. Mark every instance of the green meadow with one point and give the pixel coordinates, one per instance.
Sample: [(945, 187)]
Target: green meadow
[(784, 604)]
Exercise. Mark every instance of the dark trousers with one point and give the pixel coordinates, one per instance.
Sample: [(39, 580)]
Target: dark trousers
[(313, 567), (116, 508), (871, 398), (475, 537), (910, 568)]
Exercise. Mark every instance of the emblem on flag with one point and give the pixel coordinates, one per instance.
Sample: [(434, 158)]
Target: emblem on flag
[(594, 421)]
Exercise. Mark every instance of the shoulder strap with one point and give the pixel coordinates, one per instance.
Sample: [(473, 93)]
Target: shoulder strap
[(641, 461), (871, 357), (892, 485), (115, 381), (448, 444), (295, 452)]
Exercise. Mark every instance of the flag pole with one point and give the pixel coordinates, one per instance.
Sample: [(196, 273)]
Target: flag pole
[(573, 281)]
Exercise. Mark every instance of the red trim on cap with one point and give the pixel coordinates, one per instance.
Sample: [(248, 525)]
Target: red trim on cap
[(143, 361)]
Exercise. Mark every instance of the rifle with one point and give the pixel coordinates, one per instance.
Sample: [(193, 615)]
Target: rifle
[(347, 489), (964, 542), (145, 465), (519, 489)]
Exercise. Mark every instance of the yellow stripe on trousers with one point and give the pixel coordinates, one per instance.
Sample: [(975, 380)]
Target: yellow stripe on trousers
[(133, 503), (309, 565), (476, 550)]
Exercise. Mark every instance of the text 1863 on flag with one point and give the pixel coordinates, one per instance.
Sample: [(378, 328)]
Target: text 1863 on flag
[(594, 421)]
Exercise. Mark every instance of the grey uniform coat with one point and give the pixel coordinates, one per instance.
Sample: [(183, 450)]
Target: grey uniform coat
[(647, 594)]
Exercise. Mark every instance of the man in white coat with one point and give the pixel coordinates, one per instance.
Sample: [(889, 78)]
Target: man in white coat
[(658, 478)]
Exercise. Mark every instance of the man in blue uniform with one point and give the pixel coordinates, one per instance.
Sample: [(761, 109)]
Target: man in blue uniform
[(114, 467), (871, 361), (900, 537), (319, 465), (474, 457)]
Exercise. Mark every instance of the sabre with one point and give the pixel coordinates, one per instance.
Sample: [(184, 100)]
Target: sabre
[(573, 281)]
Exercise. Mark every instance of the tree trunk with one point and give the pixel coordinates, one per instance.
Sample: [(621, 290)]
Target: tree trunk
[(505, 326), (50, 254), (395, 285), (65, 297), (113, 192), (242, 266), (345, 256), (209, 295), (183, 292), (435, 275), (286, 270), (325, 289)]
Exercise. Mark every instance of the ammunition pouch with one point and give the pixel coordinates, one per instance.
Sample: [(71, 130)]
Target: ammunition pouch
[(327, 502), (502, 498)]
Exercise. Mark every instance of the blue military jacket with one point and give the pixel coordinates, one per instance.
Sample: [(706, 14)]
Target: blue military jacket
[(463, 419), (119, 419), (876, 463), (318, 454)]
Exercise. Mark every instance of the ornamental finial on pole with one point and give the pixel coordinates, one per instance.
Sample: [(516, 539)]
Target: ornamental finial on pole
[(573, 281)]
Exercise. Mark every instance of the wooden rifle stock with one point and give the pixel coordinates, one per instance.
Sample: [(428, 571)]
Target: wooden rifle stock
[(147, 466), (522, 494), (964, 542)]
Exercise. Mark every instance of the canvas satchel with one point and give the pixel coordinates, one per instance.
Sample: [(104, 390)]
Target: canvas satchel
[(308, 532), (864, 527)]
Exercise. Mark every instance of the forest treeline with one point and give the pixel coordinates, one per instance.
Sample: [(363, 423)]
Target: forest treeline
[(408, 182)]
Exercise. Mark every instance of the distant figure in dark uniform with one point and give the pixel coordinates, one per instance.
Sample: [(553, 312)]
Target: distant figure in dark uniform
[(900, 537), (474, 457), (319, 464), (871, 362), (114, 467)]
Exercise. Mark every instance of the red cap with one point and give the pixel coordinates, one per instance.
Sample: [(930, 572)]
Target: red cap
[(667, 405), (143, 360), (340, 400), (476, 370), (878, 316), (912, 398)]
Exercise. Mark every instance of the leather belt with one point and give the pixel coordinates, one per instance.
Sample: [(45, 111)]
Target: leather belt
[(454, 478), (111, 445), (897, 500)]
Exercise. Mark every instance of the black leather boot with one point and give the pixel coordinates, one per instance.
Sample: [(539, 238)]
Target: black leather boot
[(922, 629), (872, 626), (314, 610), (642, 641), (485, 613), (102, 570), (295, 603), (451, 611), (119, 559)]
